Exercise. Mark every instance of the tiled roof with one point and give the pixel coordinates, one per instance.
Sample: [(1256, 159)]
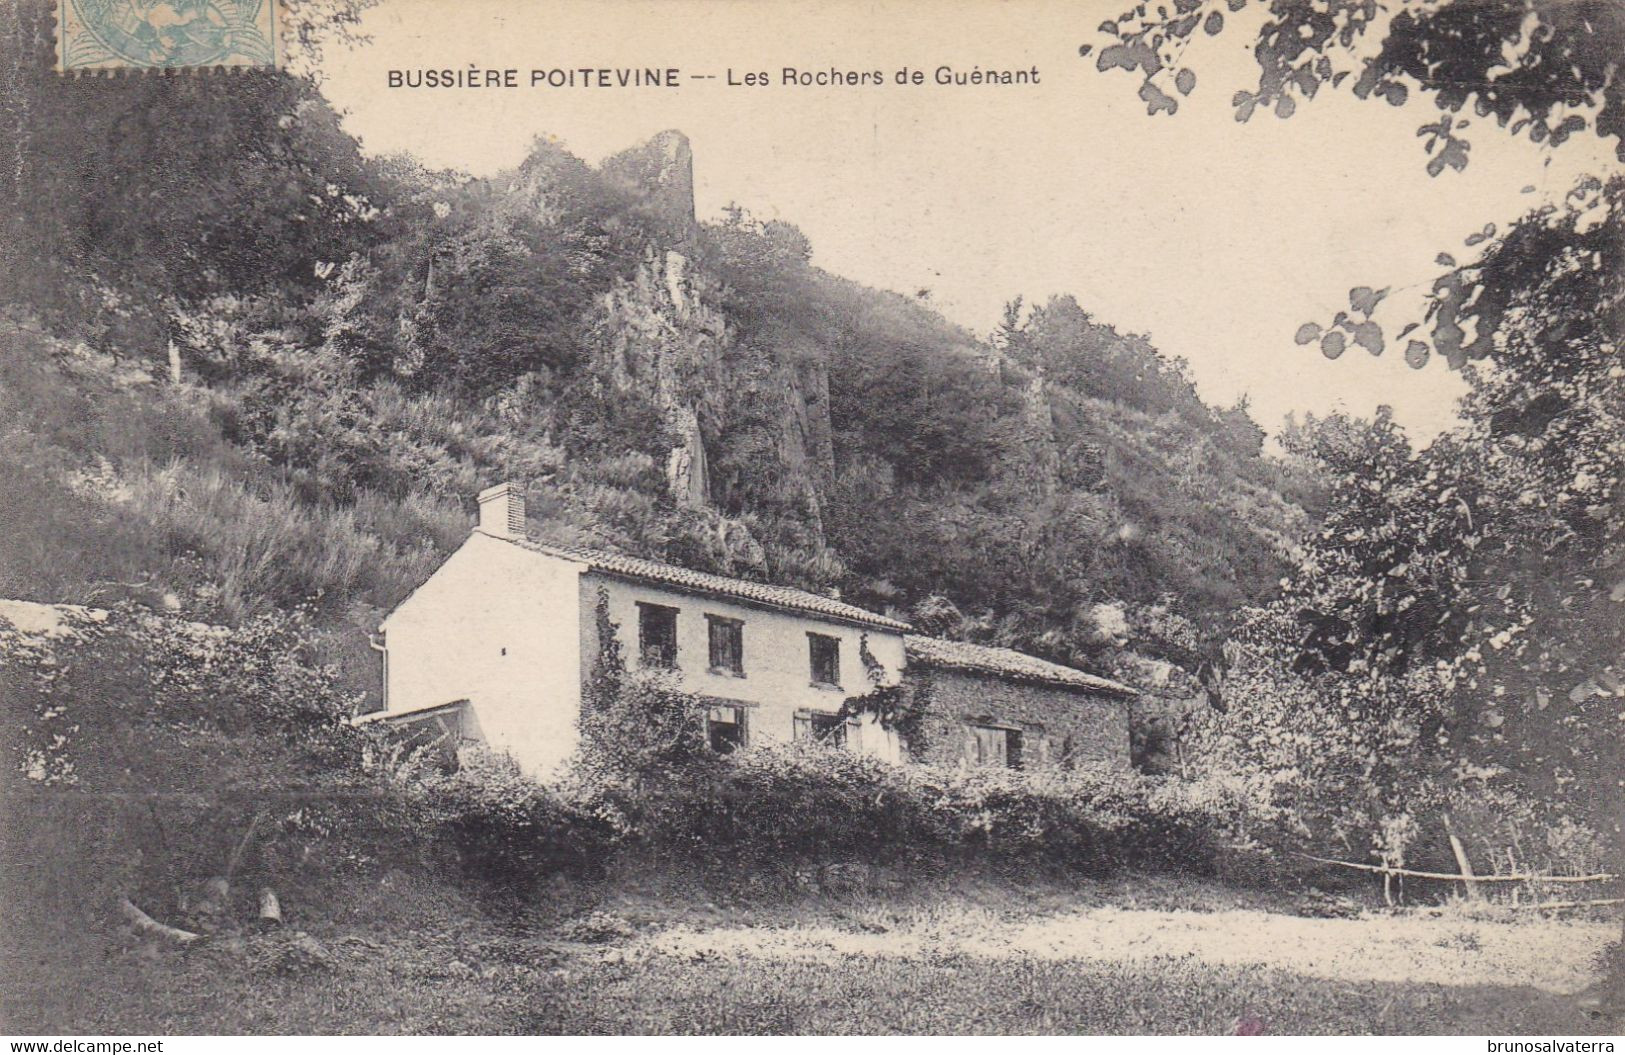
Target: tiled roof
[(621, 566), (1005, 663)]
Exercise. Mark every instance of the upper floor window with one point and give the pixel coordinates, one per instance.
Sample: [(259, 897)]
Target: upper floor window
[(824, 654), (657, 635), (727, 645)]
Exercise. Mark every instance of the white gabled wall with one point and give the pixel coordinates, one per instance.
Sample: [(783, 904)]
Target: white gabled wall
[(777, 679), (495, 625)]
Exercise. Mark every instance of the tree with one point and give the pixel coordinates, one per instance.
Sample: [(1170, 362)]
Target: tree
[(1545, 68), (163, 189), (1454, 633)]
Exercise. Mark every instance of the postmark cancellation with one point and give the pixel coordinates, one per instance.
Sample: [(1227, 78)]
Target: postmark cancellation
[(166, 34)]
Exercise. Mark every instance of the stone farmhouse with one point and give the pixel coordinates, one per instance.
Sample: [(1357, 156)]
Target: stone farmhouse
[(997, 706), (495, 647)]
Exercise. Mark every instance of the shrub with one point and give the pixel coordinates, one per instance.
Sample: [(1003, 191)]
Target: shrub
[(788, 800), (140, 749), (798, 800), (1094, 820), (507, 827), (636, 726), (105, 698), (647, 729)]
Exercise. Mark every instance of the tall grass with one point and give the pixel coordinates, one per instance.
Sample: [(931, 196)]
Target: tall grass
[(114, 485), (260, 544)]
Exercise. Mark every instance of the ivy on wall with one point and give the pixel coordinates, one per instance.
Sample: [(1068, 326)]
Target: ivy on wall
[(899, 707)]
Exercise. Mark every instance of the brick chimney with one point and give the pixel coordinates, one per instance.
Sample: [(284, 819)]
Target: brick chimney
[(502, 510)]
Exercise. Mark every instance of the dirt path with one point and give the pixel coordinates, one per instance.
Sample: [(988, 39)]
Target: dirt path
[(1555, 956)]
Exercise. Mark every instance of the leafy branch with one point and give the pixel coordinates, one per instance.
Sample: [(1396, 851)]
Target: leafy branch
[(1542, 69)]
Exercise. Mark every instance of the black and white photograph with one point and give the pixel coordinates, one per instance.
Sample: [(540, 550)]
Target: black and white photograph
[(869, 517)]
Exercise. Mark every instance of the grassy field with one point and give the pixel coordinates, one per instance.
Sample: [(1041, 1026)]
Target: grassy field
[(980, 955)]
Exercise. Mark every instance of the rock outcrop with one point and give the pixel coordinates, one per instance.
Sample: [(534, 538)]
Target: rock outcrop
[(1039, 418), (807, 441), (664, 332), (662, 171), (664, 335)]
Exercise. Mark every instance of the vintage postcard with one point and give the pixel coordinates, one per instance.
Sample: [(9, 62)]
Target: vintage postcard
[(867, 517)]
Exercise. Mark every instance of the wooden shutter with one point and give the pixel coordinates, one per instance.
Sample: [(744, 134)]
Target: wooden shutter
[(727, 640), (657, 635), (824, 656), (992, 746)]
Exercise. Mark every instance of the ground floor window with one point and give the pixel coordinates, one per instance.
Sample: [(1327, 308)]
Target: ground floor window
[(725, 728), (993, 745), (825, 727)]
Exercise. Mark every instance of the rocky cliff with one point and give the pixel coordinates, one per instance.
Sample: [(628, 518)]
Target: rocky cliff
[(665, 332), (796, 426)]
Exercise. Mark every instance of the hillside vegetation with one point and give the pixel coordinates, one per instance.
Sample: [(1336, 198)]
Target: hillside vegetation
[(263, 369)]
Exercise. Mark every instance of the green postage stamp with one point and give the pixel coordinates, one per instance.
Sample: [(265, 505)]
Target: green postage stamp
[(166, 34)]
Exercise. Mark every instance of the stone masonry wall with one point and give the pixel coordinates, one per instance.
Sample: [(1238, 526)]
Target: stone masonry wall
[(1060, 727)]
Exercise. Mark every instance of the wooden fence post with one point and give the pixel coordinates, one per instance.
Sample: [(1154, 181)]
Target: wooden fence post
[(1469, 879)]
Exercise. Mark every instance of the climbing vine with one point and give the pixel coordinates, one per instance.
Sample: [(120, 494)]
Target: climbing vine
[(896, 706)]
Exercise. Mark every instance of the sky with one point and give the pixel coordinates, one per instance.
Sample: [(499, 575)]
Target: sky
[(1215, 238)]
